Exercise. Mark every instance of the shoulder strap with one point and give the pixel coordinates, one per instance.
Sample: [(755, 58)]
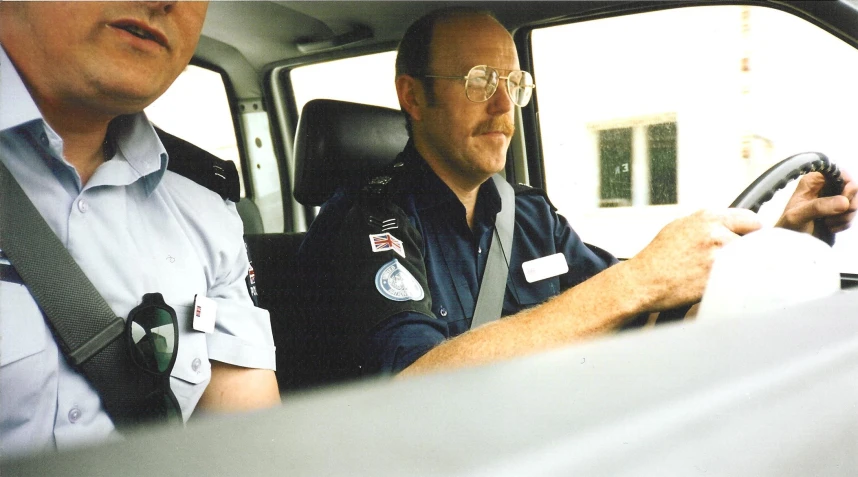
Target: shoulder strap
[(84, 325), (493, 284), (201, 166)]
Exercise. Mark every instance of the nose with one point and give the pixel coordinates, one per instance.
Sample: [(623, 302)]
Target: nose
[(501, 102), (164, 7)]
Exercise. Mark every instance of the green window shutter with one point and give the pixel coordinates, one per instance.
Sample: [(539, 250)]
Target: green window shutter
[(661, 139), (615, 167)]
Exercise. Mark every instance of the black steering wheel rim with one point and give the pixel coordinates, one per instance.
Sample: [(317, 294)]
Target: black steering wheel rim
[(778, 176)]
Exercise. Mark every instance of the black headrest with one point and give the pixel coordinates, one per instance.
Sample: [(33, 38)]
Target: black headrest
[(343, 144)]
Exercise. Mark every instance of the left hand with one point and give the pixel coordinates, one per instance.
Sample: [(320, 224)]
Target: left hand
[(805, 205)]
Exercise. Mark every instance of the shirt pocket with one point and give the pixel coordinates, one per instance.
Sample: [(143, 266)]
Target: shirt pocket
[(192, 370), (22, 327), (527, 295), (25, 374)]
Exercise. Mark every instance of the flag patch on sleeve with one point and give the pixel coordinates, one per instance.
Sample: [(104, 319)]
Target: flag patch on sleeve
[(384, 242)]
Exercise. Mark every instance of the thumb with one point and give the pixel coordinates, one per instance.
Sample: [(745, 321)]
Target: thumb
[(740, 221), (810, 185)]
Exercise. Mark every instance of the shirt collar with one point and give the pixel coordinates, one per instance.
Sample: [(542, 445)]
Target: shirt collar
[(134, 139), (430, 191), (18, 106)]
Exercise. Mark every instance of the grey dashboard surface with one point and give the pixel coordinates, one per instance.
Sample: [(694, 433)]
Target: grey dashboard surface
[(768, 395)]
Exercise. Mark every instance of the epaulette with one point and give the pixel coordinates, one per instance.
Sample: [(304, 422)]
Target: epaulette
[(201, 166), (524, 190), (381, 185)]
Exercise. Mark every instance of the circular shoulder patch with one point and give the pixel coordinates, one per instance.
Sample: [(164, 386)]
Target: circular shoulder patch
[(396, 283)]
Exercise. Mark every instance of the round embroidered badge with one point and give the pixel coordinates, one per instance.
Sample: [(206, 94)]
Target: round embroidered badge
[(396, 283)]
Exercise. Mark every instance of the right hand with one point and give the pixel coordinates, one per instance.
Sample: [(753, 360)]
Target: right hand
[(674, 268)]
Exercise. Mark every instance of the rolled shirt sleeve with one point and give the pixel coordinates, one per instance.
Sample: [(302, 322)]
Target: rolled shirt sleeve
[(242, 334)]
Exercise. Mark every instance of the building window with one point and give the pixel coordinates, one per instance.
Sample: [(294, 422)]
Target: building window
[(637, 165), (661, 148), (615, 164)]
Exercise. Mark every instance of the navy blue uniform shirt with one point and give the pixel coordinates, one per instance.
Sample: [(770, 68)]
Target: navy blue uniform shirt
[(430, 222)]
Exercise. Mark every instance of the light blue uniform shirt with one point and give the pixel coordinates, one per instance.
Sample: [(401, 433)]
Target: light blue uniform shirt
[(134, 228)]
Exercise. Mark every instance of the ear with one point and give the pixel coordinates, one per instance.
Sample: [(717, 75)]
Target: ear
[(412, 97)]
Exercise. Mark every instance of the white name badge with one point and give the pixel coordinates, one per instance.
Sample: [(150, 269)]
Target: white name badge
[(205, 310), (545, 267)]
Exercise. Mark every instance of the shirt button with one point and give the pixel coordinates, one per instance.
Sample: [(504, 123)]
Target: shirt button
[(195, 364), (74, 415), (442, 311), (479, 249), (44, 138), (82, 206)]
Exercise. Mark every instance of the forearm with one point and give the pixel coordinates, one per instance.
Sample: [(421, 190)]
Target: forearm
[(233, 388), (592, 308)]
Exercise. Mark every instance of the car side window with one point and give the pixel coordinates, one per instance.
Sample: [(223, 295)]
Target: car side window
[(367, 79), (196, 109), (648, 117)]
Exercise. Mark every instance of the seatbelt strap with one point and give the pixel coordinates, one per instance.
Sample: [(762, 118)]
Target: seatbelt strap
[(493, 284), (83, 324)]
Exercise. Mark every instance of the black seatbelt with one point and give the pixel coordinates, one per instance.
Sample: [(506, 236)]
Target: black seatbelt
[(493, 284), (83, 324)]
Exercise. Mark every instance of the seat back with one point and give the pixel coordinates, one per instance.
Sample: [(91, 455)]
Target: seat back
[(337, 144), (343, 144), (250, 216), (274, 261)]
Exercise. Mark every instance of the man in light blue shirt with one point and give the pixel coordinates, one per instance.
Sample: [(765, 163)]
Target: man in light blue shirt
[(73, 135)]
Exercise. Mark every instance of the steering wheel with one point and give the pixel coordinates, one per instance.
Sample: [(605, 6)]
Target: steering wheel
[(777, 177), (763, 189)]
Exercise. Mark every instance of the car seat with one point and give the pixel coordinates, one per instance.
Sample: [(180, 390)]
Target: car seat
[(337, 144)]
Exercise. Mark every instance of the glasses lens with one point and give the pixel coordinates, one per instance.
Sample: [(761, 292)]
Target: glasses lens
[(481, 83), (162, 405), (153, 333), (520, 84)]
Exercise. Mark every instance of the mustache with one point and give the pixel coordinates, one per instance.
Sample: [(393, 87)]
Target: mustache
[(501, 124)]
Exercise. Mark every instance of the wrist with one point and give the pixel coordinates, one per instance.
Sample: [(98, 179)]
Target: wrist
[(640, 290)]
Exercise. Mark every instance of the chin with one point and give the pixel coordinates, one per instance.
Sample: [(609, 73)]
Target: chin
[(129, 97)]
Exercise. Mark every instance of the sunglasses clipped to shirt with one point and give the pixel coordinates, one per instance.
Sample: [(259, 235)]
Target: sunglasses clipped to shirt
[(482, 81), (152, 334)]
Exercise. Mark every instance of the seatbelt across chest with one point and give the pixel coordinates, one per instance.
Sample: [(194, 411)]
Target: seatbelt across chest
[(85, 327), (493, 284)]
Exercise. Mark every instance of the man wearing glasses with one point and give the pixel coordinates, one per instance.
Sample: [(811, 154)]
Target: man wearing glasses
[(74, 79), (411, 291)]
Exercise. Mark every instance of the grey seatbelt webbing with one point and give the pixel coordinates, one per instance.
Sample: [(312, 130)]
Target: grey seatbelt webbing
[(84, 325), (493, 284)]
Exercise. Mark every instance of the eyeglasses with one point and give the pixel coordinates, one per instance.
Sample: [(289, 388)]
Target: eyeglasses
[(482, 82), (152, 333)]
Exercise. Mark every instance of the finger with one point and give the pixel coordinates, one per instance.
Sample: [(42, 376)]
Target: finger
[(831, 206), (740, 221), (850, 187), (810, 185), (817, 209), (840, 222)]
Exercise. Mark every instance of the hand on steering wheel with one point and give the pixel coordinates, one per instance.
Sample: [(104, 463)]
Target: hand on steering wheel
[(800, 213)]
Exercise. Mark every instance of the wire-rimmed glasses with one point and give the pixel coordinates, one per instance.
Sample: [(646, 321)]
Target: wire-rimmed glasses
[(481, 82)]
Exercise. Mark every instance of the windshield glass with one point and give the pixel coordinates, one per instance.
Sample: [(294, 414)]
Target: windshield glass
[(684, 113)]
